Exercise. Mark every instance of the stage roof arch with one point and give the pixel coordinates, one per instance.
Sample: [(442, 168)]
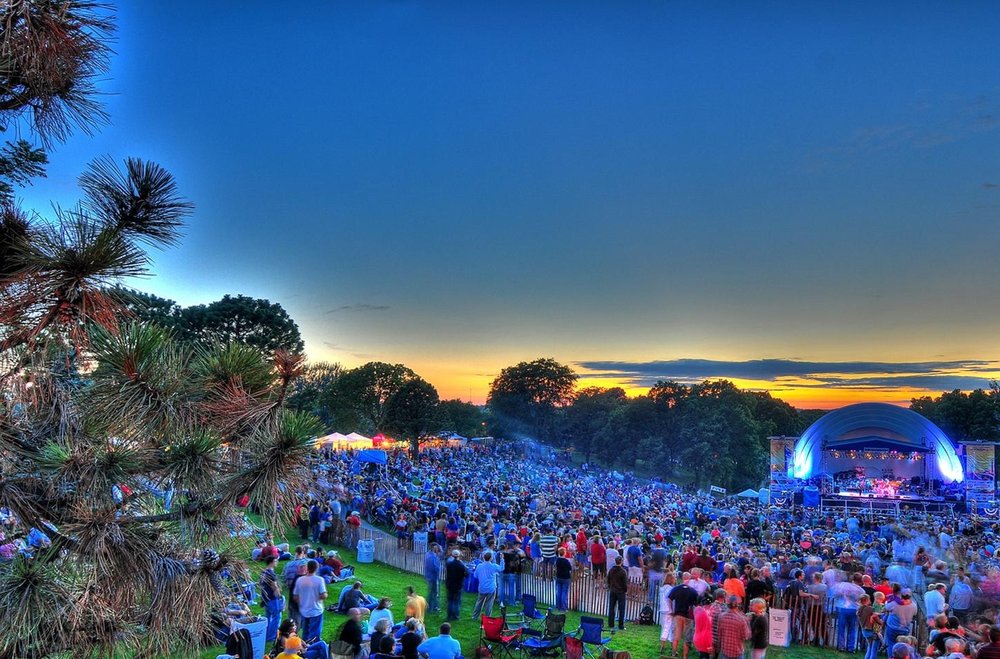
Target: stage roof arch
[(875, 425)]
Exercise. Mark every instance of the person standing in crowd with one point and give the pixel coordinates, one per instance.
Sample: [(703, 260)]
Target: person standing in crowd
[(656, 563), (547, 545), (934, 602), (432, 574), (757, 619), (734, 631), (486, 572), (309, 594), (416, 605), (617, 591), (633, 558), (846, 596), (684, 599), (353, 529), (454, 582), (564, 576), (960, 599), (598, 558), (666, 612), (270, 598), (511, 574)]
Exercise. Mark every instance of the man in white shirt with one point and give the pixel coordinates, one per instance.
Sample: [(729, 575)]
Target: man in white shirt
[(934, 602), (309, 593)]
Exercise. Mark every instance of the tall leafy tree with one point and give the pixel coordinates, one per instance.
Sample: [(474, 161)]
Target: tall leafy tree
[(526, 396), (311, 391), (467, 419), (411, 412), (359, 398), (262, 324)]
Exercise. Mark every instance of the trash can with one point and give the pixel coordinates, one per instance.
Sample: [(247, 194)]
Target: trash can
[(420, 542), (366, 551)]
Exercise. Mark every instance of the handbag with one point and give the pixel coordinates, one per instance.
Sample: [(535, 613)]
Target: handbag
[(341, 650)]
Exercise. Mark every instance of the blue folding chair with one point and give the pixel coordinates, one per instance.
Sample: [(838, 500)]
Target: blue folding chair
[(530, 612), (549, 641), (591, 633)]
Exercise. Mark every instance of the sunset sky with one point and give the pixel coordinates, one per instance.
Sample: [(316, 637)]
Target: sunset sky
[(800, 197)]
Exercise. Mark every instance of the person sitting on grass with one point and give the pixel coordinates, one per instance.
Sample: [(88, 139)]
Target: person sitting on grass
[(380, 629), (290, 645), (351, 632), (385, 649), (381, 612), (442, 646), (411, 639), (352, 597)]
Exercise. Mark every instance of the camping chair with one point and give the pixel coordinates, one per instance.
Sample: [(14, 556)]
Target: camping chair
[(591, 635), (549, 641), (511, 620), (530, 612), (501, 641), (574, 648)]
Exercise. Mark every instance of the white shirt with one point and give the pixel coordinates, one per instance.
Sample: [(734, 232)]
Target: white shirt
[(933, 602)]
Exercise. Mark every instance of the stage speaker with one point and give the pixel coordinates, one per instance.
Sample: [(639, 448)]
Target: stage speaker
[(797, 498), (936, 483), (914, 480)]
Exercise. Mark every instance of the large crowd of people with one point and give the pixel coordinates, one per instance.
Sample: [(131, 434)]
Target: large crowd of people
[(908, 585), (861, 572)]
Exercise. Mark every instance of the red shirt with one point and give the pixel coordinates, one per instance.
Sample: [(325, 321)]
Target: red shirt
[(598, 554), (581, 542), (268, 552), (353, 520)]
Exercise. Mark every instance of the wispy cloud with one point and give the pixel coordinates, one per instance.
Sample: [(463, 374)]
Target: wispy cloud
[(929, 375), (990, 186), (359, 307)]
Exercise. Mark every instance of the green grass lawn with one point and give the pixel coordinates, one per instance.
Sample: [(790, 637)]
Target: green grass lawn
[(384, 581)]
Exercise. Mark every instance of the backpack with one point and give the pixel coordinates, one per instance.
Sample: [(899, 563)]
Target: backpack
[(645, 616), (240, 643), (483, 652)]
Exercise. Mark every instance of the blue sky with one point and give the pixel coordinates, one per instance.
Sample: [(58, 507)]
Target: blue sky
[(461, 186)]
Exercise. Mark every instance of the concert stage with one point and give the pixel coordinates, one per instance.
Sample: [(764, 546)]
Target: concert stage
[(898, 503), (875, 456)]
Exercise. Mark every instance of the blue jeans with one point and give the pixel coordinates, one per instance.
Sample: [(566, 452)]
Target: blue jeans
[(847, 629), (874, 645), (655, 581), (433, 587), (273, 610), (562, 594), (312, 628), (509, 589), (892, 633), (317, 650), (454, 605), (518, 588)]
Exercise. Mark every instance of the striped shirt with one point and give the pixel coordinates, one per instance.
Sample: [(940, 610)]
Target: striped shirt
[(548, 545)]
